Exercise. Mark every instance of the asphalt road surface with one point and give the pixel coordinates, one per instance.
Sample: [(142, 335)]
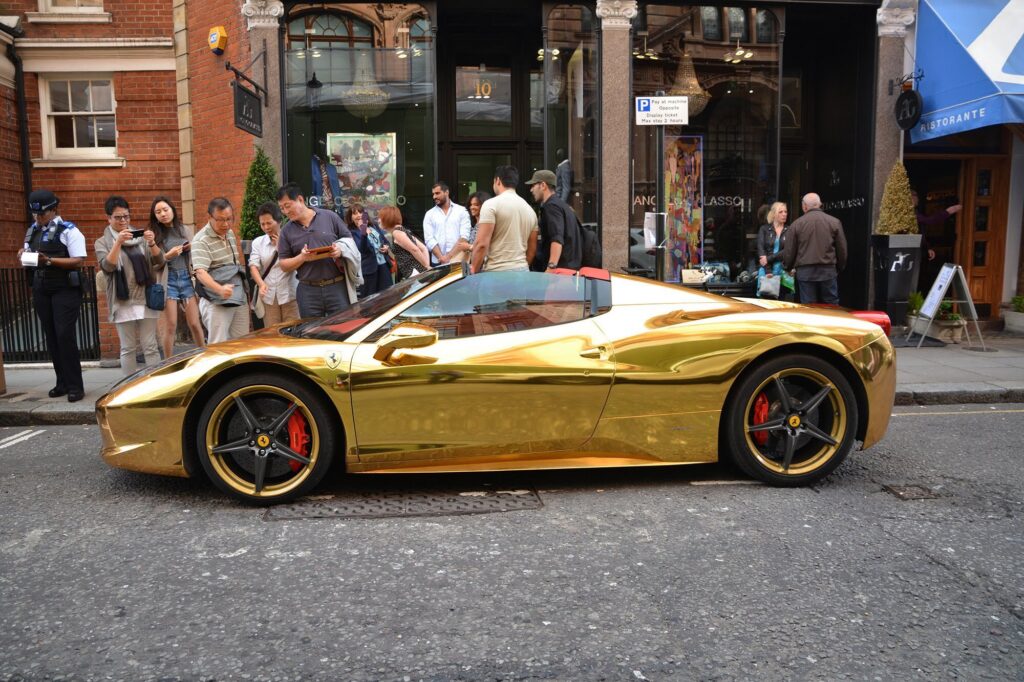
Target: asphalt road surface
[(668, 573)]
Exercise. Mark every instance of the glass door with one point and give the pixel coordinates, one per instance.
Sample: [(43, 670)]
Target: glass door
[(474, 171)]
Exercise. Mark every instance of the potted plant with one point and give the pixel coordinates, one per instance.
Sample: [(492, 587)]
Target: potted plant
[(1014, 319), (914, 302), (948, 325), (896, 246)]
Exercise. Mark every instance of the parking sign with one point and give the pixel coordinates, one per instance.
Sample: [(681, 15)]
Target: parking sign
[(662, 111)]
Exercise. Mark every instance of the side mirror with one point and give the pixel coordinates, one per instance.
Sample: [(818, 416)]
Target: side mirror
[(404, 336)]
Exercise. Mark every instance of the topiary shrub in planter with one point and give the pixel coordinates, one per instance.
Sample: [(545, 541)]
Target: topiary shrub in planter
[(896, 246), (260, 187), (1013, 320)]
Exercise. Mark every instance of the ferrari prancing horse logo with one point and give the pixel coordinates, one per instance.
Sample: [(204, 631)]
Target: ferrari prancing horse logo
[(333, 360), (263, 440), (794, 421)]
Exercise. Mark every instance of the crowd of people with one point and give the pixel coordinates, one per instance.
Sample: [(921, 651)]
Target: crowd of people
[(309, 262)]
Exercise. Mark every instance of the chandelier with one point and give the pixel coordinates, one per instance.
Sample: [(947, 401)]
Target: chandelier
[(686, 84), (738, 55), (365, 98)]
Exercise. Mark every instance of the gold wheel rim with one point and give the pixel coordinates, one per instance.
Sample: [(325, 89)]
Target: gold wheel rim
[(225, 467), (831, 408)]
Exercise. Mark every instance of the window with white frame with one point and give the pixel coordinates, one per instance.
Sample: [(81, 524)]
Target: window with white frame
[(79, 117), (71, 5)]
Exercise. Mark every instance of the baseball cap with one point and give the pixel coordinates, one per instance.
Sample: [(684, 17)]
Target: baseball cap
[(545, 176), (42, 200)]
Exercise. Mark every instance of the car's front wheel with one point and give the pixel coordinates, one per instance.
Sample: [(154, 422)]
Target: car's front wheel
[(791, 421), (265, 438)]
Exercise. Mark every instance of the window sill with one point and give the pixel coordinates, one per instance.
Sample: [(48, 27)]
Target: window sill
[(68, 17), (79, 163)]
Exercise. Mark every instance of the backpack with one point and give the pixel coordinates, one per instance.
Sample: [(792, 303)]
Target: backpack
[(591, 247)]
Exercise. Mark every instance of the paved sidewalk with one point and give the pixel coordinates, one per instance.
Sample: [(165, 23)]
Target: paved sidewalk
[(953, 374)]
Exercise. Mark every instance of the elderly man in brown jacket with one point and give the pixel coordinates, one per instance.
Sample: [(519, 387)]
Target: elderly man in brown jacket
[(816, 247)]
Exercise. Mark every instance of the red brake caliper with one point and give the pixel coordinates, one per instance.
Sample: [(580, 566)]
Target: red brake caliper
[(298, 440), (760, 417)]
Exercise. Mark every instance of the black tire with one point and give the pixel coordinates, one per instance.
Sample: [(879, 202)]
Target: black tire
[(257, 463), (810, 426)]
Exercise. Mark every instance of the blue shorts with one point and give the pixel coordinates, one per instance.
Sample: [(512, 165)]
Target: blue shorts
[(179, 285)]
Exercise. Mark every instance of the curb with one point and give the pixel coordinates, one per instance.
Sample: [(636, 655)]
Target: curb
[(962, 397)]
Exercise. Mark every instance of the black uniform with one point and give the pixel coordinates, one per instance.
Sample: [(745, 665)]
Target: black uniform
[(57, 295), (558, 223)]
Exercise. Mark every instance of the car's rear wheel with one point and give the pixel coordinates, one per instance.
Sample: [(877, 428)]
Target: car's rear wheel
[(265, 438), (791, 421)]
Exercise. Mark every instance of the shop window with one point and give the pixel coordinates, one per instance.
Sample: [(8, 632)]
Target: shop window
[(79, 120), (711, 21), (569, 100), (366, 134), (721, 168)]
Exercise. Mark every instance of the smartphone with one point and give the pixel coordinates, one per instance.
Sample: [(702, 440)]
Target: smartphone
[(186, 246), (138, 233)]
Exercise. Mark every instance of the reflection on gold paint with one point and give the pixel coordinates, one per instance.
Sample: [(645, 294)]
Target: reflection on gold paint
[(639, 385)]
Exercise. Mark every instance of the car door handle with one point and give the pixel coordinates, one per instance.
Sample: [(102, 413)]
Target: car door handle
[(596, 353)]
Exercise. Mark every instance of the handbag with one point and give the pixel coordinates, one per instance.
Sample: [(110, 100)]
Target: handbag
[(259, 309), (788, 281), (121, 285), (768, 285), (228, 274), (155, 298)]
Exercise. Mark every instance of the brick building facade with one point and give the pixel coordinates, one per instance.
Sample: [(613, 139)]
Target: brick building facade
[(140, 67)]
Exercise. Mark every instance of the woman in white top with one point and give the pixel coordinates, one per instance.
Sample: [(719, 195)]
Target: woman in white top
[(276, 287)]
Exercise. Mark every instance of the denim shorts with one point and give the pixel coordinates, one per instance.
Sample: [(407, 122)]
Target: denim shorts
[(179, 285)]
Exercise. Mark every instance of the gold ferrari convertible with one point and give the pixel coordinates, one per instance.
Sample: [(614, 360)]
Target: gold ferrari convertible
[(450, 371)]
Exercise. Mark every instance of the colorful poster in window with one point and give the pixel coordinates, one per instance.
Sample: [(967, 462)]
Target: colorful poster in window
[(684, 203), (366, 165)]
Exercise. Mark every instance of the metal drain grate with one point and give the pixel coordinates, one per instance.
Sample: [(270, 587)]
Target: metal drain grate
[(385, 504), (911, 492)]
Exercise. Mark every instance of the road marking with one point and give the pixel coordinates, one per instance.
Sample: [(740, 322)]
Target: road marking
[(22, 439), (941, 414), (19, 434)]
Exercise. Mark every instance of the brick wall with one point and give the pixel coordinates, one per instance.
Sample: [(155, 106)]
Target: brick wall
[(12, 197), (129, 18), (147, 138), (221, 153)]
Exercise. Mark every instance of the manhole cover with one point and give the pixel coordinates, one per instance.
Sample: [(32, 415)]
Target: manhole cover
[(911, 492), (378, 505)]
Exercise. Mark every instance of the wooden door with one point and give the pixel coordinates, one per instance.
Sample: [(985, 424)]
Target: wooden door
[(982, 233)]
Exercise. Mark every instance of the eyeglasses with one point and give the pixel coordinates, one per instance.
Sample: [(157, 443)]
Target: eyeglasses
[(121, 217)]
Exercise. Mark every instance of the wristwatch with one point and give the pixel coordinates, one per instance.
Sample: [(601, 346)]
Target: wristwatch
[(552, 266)]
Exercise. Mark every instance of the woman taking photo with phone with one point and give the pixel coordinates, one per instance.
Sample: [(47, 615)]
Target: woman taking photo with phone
[(132, 262), (174, 238)]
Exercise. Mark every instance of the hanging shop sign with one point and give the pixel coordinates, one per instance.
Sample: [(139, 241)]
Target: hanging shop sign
[(908, 109), (248, 112)]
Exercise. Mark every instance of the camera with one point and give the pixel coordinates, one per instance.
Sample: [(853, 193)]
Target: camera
[(138, 233)]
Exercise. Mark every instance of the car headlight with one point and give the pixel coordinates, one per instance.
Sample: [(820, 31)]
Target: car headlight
[(162, 365)]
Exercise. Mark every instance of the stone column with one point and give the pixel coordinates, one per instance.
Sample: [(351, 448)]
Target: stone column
[(186, 162), (262, 20), (893, 19), (616, 56)]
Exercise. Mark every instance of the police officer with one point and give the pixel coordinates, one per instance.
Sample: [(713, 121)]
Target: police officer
[(59, 249)]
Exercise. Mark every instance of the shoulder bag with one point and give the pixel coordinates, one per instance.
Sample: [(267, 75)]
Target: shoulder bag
[(256, 303)]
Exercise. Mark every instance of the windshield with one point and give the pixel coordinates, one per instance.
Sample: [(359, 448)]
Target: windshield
[(342, 325)]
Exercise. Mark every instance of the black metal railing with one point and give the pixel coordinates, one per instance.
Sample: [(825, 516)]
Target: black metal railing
[(20, 329)]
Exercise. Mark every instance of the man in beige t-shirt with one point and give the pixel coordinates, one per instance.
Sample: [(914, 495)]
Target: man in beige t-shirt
[(506, 236)]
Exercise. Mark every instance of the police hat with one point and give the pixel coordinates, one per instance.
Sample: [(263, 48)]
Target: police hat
[(42, 200)]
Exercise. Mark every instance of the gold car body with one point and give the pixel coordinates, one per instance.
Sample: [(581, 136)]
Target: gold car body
[(644, 383)]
